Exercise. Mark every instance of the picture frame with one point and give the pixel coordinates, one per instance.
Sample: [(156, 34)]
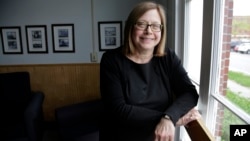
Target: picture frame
[(110, 34), (36, 36), (63, 38), (11, 40)]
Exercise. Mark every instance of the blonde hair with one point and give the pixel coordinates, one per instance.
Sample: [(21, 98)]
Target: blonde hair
[(135, 14)]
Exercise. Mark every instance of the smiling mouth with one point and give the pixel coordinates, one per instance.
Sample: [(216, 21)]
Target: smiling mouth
[(147, 38)]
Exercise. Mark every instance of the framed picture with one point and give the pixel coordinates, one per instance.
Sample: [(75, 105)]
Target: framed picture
[(110, 35), (37, 39), (11, 40), (63, 37)]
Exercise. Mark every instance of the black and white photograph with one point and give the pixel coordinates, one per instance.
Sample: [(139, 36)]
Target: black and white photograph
[(110, 41), (63, 38), (36, 36), (63, 33), (110, 31), (11, 40), (110, 35), (63, 43)]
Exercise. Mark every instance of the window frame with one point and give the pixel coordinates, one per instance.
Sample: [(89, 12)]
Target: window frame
[(209, 83)]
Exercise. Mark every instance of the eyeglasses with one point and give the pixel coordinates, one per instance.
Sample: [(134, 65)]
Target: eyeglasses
[(143, 25)]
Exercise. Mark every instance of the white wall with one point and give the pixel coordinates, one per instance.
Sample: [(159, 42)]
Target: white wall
[(47, 12)]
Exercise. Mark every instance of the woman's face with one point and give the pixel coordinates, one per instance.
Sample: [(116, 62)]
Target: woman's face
[(147, 39)]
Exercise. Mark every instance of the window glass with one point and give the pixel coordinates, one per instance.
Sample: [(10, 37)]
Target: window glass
[(194, 37), (233, 62), (229, 119)]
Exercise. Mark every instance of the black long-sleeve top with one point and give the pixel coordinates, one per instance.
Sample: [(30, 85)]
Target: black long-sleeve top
[(136, 96)]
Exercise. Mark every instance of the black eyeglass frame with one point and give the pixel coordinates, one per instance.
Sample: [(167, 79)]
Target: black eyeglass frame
[(148, 25)]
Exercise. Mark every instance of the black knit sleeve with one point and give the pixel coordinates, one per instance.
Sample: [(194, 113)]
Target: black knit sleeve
[(186, 96)]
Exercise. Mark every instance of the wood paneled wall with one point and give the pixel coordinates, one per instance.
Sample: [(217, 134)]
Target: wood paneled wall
[(62, 84)]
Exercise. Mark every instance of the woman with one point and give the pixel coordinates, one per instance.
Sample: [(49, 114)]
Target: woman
[(144, 88)]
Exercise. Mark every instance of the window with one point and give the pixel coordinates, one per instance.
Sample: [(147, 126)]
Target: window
[(221, 73)]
